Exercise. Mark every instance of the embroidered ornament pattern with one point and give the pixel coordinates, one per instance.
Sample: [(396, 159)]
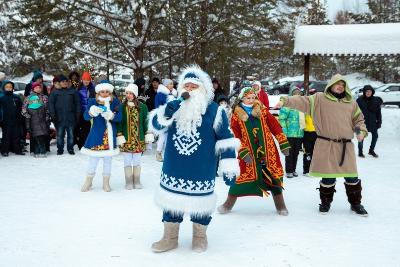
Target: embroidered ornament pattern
[(187, 144), (186, 186)]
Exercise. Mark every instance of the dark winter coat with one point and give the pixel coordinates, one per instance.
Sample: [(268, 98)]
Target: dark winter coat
[(84, 94), (37, 120), (150, 102), (371, 109), (218, 93), (64, 107), (10, 110)]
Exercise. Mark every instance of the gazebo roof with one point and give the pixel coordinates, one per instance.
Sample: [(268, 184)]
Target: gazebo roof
[(348, 39)]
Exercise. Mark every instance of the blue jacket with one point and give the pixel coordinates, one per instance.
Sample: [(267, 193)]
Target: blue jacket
[(163, 96), (95, 144), (190, 161)]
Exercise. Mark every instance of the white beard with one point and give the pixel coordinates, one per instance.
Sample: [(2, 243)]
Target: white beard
[(189, 115)]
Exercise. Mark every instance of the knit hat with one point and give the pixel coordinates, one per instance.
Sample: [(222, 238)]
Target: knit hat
[(166, 82), (133, 88), (86, 76), (104, 85), (34, 102), (34, 84), (37, 75), (194, 74), (62, 77), (56, 79), (246, 91)]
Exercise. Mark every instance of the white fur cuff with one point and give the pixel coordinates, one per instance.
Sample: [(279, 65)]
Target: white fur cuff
[(121, 140), (229, 165), (222, 145), (149, 138)]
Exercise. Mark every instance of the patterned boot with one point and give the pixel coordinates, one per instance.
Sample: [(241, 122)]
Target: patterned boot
[(170, 239), (199, 241), (128, 178), (88, 183), (136, 177)]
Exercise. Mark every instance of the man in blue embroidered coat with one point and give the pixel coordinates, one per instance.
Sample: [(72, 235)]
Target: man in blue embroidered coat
[(197, 134)]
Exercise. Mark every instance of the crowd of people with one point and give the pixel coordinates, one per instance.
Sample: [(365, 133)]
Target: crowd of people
[(198, 136)]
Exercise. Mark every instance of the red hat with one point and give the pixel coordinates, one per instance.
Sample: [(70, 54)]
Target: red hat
[(86, 76), (34, 84)]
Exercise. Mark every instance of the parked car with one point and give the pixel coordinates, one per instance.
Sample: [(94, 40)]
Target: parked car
[(19, 87), (389, 93), (283, 88)]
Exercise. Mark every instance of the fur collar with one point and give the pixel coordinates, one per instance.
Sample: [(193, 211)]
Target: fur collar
[(239, 111)]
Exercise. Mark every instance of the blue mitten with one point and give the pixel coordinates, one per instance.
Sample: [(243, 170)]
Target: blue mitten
[(171, 108), (229, 179)]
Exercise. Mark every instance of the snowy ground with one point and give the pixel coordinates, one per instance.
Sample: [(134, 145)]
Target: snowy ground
[(47, 221)]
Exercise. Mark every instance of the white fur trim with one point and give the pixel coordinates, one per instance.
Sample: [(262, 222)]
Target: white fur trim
[(163, 89), (179, 203), (203, 77), (104, 86), (229, 165), (224, 144), (218, 118), (99, 153), (149, 138), (257, 83), (151, 116), (133, 88), (121, 140)]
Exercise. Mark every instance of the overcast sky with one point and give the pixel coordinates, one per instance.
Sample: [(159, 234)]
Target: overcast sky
[(356, 6)]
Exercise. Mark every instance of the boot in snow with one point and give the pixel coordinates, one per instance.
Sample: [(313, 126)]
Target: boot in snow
[(326, 195), (170, 239), (159, 156), (372, 153), (128, 178), (88, 183), (106, 183), (199, 241), (361, 154), (353, 192), (136, 177), (228, 205), (289, 175), (280, 205)]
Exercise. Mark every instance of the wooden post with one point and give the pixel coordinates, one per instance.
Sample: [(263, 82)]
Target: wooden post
[(306, 74)]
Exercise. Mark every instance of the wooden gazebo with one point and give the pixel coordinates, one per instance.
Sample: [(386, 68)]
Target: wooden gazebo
[(346, 40)]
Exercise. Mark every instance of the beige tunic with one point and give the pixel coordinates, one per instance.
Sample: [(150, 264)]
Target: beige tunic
[(334, 119)]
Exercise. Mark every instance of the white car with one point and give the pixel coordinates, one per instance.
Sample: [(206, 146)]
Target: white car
[(389, 93)]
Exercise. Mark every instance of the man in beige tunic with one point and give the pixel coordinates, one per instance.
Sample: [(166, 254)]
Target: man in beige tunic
[(336, 117)]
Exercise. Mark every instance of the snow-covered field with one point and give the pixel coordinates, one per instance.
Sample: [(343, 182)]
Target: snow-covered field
[(46, 220)]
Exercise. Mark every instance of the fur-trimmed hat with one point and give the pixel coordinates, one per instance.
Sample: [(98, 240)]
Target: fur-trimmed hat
[(133, 88), (194, 74), (104, 85), (245, 91), (257, 83), (166, 82)]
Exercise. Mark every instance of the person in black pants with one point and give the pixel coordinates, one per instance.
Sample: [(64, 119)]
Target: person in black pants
[(309, 138), (370, 106), (65, 109), (11, 120)]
